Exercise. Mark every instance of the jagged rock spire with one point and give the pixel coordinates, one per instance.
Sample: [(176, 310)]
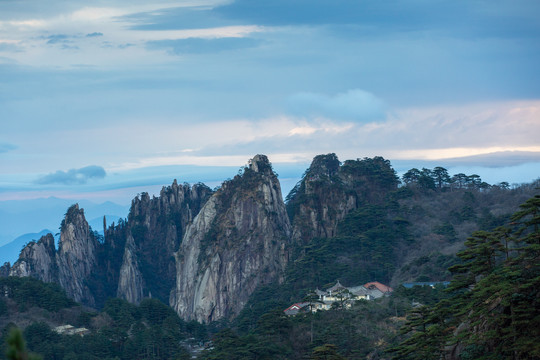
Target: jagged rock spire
[(240, 239)]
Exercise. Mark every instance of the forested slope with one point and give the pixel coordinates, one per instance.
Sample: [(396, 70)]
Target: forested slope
[(493, 309)]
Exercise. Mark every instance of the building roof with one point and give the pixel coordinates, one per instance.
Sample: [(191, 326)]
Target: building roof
[(295, 308), (359, 290), (71, 330), (375, 293), (336, 287), (63, 328), (375, 284)]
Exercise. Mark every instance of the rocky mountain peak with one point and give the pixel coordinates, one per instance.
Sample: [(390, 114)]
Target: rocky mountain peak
[(37, 260), (71, 266), (48, 243), (324, 165), (239, 240), (75, 231), (156, 226), (260, 163), (329, 191), (76, 256), (73, 214)]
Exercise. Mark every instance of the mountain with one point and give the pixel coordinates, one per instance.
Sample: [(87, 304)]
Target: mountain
[(209, 253), (152, 235), (71, 265), (330, 190), (239, 255), (92, 268), (189, 247), (240, 239)]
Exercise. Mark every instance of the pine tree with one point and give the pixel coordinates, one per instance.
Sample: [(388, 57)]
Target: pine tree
[(326, 352), (16, 349)]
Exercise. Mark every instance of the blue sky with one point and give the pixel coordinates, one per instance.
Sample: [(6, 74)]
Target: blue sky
[(105, 99)]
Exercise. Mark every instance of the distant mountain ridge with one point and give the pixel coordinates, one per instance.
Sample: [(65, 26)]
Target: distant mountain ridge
[(10, 251)]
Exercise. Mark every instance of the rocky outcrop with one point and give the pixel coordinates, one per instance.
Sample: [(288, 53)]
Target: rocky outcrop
[(239, 240), (134, 259), (76, 256), (37, 259), (70, 266), (155, 229), (330, 190)]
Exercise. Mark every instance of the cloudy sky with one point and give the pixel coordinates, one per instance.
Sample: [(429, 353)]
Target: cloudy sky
[(104, 99)]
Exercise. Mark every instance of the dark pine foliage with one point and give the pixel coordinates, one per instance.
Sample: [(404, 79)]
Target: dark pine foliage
[(28, 292), (494, 309), (151, 330)]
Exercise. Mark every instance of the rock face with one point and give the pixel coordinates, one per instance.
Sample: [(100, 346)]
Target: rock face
[(38, 260), (329, 191), (76, 256), (154, 232), (239, 240), (70, 266), (134, 259), (130, 284)]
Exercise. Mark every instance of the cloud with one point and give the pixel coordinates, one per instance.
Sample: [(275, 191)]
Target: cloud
[(73, 176), (94, 34), (9, 47), (203, 46), (193, 17), (353, 105), (497, 159), (57, 38), (505, 19), (5, 147)]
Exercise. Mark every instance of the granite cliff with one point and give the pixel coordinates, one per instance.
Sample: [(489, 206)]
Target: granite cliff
[(134, 259), (239, 240), (37, 260), (155, 229), (71, 266)]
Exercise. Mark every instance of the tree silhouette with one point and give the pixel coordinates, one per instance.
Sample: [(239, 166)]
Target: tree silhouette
[(16, 347)]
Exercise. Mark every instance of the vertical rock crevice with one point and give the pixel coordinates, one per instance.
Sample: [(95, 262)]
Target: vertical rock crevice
[(130, 283), (156, 226)]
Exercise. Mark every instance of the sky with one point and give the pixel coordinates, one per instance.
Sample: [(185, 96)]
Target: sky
[(101, 100)]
